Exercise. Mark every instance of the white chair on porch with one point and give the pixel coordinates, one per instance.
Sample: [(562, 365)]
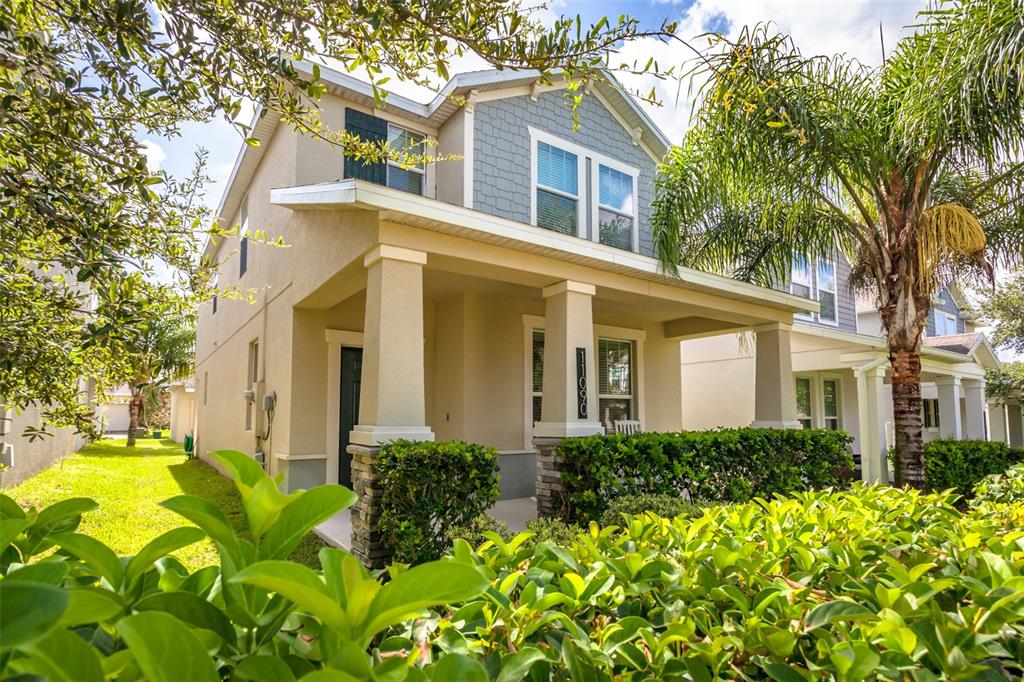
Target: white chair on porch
[(627, 427)]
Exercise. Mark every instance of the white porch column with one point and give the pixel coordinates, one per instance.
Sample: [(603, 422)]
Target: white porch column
[(974, 400), (774, 388), (997, 422), (949, 407), (569, 406), (1015, 425), (874, 465), (392, 402)]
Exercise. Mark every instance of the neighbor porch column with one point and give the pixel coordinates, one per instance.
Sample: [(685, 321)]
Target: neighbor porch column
[(974, 401), (392, 401), (997, 423), (569, 403), (774, 388), (1015, 425), (871, 438), (949, 407)]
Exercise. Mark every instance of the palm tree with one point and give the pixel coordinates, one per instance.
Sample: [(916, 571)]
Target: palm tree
[(912, 169), (163, 352)]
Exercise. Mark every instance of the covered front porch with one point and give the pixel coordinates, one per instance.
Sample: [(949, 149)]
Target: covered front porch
[(450, 328)]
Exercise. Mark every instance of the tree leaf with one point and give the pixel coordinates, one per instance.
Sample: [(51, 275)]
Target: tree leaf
[(297, 583), (28, 611), (299, 517), (91, 605), (430, 584), (207, 516), (64, 656), (515, 667), (834, 611), (165, 649), (458, 667), (264, 669), (188, 608), (94, 553), (162, 546)]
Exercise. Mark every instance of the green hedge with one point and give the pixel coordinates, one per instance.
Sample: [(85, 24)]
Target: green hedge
[(429, 488), (725, 465), (961, 464)]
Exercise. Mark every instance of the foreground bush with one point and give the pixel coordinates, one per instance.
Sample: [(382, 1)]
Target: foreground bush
[(82, 613), (428, 488), (865, 584), (668, 506), (960, 464), (1005, 488), (726, 465)]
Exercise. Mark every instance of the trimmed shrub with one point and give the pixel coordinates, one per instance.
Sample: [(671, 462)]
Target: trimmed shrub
[(668, 506), (428, 488), (474, 531), (1007, 488), (961, 464), (555, 531), (725, 465), (870, 583)]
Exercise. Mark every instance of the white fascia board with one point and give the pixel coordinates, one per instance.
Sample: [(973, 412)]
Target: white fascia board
[(875, 342), (362, 194)]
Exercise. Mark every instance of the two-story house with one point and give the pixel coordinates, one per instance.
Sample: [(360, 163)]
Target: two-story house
[(841, 369), (508, 298)]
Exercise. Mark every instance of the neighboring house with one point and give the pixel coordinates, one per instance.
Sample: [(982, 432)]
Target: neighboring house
[(509, 298), (183, 409), (841, 369), (23, 457), (113, 410)]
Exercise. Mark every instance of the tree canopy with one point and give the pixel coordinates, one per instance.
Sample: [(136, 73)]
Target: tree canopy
[(912, 170), (1003, 308), (94, 244)]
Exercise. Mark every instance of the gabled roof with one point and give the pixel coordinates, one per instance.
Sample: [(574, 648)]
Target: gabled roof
[(975, 346), (432, 114)]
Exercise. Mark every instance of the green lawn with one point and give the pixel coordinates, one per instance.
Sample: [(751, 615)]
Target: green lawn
[(129, 483)]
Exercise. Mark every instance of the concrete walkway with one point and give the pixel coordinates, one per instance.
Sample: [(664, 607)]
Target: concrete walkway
[(516, 512)]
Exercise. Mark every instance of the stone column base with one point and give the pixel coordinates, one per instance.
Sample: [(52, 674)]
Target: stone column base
[(552, 500), (367, 540)]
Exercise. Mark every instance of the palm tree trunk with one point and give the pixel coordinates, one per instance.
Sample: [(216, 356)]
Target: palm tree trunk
[(133, 416), (906, 407)]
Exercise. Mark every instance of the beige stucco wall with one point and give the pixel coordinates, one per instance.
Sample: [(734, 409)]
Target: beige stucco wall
[(32, 456), (718, 382)]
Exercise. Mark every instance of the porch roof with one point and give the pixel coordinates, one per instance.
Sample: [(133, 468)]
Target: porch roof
[(432, 214)]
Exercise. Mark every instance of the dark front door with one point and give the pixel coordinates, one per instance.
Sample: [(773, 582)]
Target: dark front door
[(351, 368)]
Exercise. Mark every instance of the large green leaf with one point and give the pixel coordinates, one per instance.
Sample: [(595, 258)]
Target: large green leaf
[(64, 510), (188, 608), (10, 529), (437, 582), (161, 546), (91, 605), (165, 649), (242, 468), (94, 553), (207, 516), (457, 667), (264, 669), (515, 667), (9, 509), (48, 572), (833, 611), (301, 515), (297, 583), (28, 611), (63, 656)]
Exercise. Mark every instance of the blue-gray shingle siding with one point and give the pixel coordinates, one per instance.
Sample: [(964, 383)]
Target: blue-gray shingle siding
[(846, 300), (502, 152), (944, 302)]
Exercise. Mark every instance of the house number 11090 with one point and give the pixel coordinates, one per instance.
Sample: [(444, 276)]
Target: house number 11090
[(581, 383)]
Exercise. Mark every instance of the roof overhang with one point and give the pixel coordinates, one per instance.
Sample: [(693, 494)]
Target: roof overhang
[(432, 214)]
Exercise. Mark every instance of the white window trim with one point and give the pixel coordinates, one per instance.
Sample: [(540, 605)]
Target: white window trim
[(537, 322), (584, 204), (419, 170), (809, 284), (632, 396), (834, 291), (839, 399), (596, 205), (812, 398), (817, 385)]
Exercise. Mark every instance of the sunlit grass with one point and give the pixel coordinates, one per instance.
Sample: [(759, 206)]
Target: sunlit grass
[(129, 483)]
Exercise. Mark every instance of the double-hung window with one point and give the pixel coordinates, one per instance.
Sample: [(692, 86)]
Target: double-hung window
[(615, 380), (803, 402), (945, 323), (401, 142), (616, 210), (558, 189), (827, 291), (801, 283), (930, 412), (830, 403), (243, 239)]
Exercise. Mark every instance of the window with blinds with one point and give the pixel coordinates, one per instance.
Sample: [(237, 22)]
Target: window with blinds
[(827, 291), (557, 189), (615, 380), (391, 173), (537, 386), (830, 403), (803, 402), (615, 211)]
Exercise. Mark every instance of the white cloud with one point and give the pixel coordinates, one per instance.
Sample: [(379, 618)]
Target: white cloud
[(817, 27), (154, 153)]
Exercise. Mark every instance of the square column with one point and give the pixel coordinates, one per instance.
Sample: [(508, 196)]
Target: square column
[(1015, 425), (997, 423), (974, 401), (392, 397), (774, 387), (392, 400), (569, 404), (874, 463), (949, 408)]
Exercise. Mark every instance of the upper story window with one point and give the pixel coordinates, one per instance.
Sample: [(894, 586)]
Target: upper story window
[(945, 323), (558, 189), (616, 210), (243, 239), (818, 283), (579, 192), (390, 173)]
